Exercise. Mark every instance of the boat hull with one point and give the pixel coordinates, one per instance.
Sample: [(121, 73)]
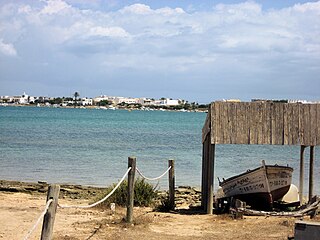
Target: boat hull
[(259, 187)]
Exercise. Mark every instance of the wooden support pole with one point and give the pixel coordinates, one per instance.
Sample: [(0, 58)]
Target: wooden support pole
[(171, 184), (48, 219), (311, 173), (302, 148), (210, 178), (131, 175), (204, 175)]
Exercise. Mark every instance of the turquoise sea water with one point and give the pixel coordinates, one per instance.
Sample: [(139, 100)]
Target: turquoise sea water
[(91, 146)]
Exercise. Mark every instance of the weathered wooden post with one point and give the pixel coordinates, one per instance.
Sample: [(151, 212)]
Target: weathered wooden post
[(302, 148), (210, 178), (171, 184), (311, 172), (48, 219), (131, 175)]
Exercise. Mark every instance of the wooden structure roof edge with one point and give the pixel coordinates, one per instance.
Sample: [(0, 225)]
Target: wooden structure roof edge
[(262, 123)]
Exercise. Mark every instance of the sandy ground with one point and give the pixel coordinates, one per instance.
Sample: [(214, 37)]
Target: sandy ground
[(19, 211)]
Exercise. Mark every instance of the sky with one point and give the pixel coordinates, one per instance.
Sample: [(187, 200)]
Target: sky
[(183, 49)]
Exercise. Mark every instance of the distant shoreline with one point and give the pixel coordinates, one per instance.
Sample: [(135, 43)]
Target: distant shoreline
[(103, 108)]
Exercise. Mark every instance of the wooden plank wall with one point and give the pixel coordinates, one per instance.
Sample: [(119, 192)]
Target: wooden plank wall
[(263, 123)]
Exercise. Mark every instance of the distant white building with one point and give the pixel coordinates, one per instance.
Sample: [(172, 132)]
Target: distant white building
[(119, 100), (86, 101), (167, 102), (142, 101), (23, 99)]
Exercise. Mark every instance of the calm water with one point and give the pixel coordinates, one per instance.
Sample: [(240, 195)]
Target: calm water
[(91, 146)]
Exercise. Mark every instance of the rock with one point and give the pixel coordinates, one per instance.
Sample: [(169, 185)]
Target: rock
[(42, 182)]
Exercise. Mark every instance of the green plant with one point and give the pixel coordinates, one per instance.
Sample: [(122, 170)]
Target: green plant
[(144, 194)]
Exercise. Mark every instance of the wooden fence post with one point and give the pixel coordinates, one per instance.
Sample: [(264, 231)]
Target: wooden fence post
[(48, 219), (171, 184), (131, 175)]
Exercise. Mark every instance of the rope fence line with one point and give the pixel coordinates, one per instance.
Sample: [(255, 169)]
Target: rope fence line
[(49, 212), (153, 179), (39, 219), (102, 200)]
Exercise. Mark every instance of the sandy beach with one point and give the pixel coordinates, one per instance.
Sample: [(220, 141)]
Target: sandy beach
[(22, 203)]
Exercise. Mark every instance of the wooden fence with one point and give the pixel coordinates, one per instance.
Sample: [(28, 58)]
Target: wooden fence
[(263, 123), (53, 196)]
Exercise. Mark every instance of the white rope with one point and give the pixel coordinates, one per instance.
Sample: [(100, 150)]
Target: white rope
[(152, 179), (102, 200), (39, 219)]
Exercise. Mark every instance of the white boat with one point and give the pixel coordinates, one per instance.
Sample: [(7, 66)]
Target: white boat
[(258, 187)]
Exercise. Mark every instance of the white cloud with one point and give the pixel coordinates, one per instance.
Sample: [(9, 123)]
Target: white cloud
[(242, 37), (7, 48), (108, 32), (54, 6), (137, 8)]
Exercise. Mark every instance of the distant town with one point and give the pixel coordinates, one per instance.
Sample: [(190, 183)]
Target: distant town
[(112, 102), (103, 102)]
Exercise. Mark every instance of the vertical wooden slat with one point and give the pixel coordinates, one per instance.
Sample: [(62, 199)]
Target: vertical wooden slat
[(307, 133), (303, 120), (273, 122), (294, 125), (232, 119), (280, 131), (286, 123), (260, 124), (313, 125), (243, 122), (212, 112), (218, 126), (224, 123), (277, 123), (266, 128), (253, 122), (318, 124)]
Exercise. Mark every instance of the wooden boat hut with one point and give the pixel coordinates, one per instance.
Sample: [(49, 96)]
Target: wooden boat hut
[(258, 123)]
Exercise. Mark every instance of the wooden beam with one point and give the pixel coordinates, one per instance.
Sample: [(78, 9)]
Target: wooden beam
[(311, 166), (302, 148), (210, 178), (203, 175)]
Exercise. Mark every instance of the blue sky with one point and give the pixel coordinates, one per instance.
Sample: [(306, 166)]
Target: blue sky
[(194, 50)]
